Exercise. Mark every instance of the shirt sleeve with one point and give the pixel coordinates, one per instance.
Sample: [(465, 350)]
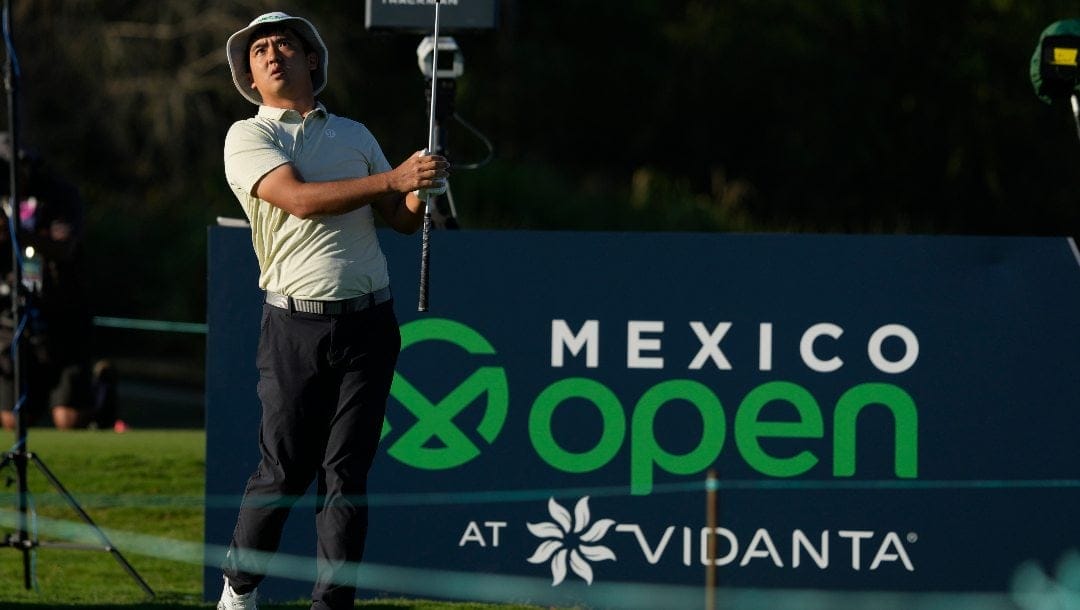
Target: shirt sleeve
[(372, 152), (251, 152), (379, 164)]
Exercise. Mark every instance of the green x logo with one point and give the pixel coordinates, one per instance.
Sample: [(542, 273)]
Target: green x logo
[(435, 420)]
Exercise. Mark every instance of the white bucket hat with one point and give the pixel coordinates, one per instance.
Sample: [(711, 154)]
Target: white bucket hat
[(237, 50)]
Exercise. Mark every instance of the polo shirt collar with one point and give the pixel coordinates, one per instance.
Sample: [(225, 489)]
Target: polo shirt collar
[(280, 114)]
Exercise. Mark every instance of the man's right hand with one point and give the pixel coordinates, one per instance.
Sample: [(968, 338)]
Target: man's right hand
[(421, 171)]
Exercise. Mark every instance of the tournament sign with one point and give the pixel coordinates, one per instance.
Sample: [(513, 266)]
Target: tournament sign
[(889, 414)]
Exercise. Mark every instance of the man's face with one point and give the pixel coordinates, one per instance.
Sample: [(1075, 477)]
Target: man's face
[(279, 67)]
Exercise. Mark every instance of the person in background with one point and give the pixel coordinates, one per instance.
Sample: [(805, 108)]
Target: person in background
[(55, 353)]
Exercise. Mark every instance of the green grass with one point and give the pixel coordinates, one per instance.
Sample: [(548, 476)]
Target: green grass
[(144, 488)]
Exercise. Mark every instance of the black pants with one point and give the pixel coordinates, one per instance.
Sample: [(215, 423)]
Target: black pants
[(323, 383)]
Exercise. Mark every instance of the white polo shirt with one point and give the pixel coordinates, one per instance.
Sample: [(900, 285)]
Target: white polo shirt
[(329, 258)]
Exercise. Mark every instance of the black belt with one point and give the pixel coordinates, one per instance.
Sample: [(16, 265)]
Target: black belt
[(354, 304)]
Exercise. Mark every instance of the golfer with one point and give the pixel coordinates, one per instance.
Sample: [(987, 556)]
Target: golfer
[(309, 182)]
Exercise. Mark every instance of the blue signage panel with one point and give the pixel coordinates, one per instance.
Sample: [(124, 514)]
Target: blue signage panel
[(886, 413)]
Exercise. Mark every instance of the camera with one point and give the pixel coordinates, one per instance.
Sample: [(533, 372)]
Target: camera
[(1058, 66), (451, 60)]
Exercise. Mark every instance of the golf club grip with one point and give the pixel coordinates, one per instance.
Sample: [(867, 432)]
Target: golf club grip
[(425, 257)]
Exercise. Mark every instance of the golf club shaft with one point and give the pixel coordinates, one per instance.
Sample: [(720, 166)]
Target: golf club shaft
[(434, 78), (1076, 112), (425, 240)]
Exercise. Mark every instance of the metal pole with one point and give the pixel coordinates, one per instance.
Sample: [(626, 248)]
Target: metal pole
[(21, 540), (712, 484)]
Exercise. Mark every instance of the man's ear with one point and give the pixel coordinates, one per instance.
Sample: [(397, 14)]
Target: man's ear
[(313, 61), (251, 80)]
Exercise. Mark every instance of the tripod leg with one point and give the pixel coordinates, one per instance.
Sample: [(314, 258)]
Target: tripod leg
[(28, 568), (453, 208), (21, 540), (86, 518), (438, 219)]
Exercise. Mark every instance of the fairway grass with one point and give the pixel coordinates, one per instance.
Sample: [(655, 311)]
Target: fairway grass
[(144, 489)]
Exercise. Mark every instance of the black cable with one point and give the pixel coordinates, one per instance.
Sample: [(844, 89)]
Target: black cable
[(483, 138)]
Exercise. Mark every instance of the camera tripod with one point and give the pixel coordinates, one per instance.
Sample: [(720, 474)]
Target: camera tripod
[(19, 457), (21, 540), (444, 216)]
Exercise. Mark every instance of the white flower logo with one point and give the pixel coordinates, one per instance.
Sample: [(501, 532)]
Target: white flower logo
[(555, 534)]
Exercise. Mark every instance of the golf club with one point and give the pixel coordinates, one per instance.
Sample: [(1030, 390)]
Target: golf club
[(425, 243)]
